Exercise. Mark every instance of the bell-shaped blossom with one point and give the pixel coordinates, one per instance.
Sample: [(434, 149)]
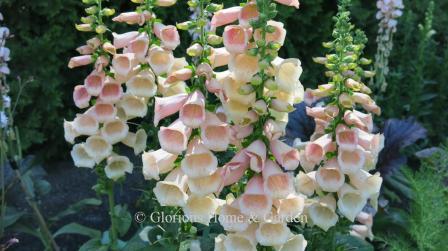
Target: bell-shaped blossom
[(160, 60), (295, 243), (199, 161), (286, 156), (139, 46), (167, 90), (123, 63), (232, 89), (200, 209), (257, 154), (219, 57), (277, 183), (255, 201), (98, 148), (117, 167), (156, 163), (315, 151), (134, 106), (290, 207), (168, 35), (287, 74), (80, 157), (81, 96), (347, 139), (80, 61), (111, 93), (278, 36), (248, 13), (143, 84), (361, 231), (236, 38), (69, 132), (122, 40), (366, 183), (272, 233), (236, 241), (322, 213), (206, 185), (305, 183), (330, 177), (351, 161), (235, 168), (243, 66), (103, 112), (231, 218), (293, 3), (114, 131), (273, 130), (192, 113), (215, 134), (133, 17), (85, 50), (350, 202), (136, 140), (94, 83), (172, 190), (179, 75), (225, 16), (174, 138), (167, 106), (85, 124), (360, 120)]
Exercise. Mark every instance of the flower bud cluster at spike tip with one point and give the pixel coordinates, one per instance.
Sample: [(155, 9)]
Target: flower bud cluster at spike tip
[(343, 148), (116, 94)]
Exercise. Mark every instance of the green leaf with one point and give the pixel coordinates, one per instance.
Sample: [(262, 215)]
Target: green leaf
[(75, 208), (75, 228), (348, 242), (185, 245), (123, 218), (136, 244), (93, 245), (11, 216), (42, 187)]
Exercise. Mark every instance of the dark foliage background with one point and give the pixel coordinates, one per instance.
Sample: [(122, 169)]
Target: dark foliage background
[(45, 39)]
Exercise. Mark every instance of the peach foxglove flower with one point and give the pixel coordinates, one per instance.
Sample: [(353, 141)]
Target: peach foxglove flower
[(219, 57), (287, 156), (295, 243), (80, 157), (143, 84), (323, 90), (231, 218), (235, 168), (293, 3), (192, 113), (322, 213), (329, 177), (133, 18), (168, 34), (309, 98), (134, 106), (305, 183), (109, 48), (81, 96), (243, 67), (257, 154), (351, 161), (199, 161), (103, 112), (156, 163), (172, 190), (168, 90), (273, 130), (85, 124), (248, 13), (139, 46), (123, 63), (114, 131), (160, 60), (200, 209), (236, 38), (179, 75), (366, 183), (195, 50), (232, 89), (69, 132), (277, 184), (272, 234), (347, 139), (165, 107), (141, 139), (117, 167), (215, 134), (94, 83), (174, 138), (239, 242), (350, 202), (165, 3), (122, 40), (359, 119), (278, 36), (80, 61), (316, 150), (361, 231), (85, 50), (225, 16), (111, 93), (287, 74), (290, 207), (205, 185), (98, 148), (255, 201)]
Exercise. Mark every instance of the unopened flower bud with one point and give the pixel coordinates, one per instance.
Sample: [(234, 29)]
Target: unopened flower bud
[(352, 84), (270, 29), (138, 1), (194, 50), (252, 52), (84, 27), (337, 77), (88, 1), (260, 107), (87, 20), (213, 7), (365, 61), (192, 3), (320, 60), (275, 46), (369, 74), (261, 43), (184, 25), (256, 80), (201, 22), (345, 100), (264, 64), (349, 59), (245, 90), (328, 45), (271, 85), (108, 12), (214, 39), (91, 10), (330, 66), (329, 74), (100, 29)]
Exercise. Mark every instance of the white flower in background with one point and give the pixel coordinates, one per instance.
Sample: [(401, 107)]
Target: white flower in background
[(6, 101), (3, 120), (388, 11)]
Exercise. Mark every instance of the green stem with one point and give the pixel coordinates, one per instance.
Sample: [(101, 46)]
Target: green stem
[(2, 181), (113, 224)]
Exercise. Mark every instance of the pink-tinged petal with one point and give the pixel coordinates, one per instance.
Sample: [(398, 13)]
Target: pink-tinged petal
[(257, 153), (192, 113), (80, 61), (315, 151), (179, 75), (165, 3), (236, 39), (292, 3), (81, 96), (277, 36), (133, 17), (111, 93), (143, 84), (168, 34), (255, 202), (206, 185), (309, 98), (103, 112), (231, 218), (238, 133), (243, 67), (98, 148), (199, 161), (214, 133), (273, 233), (114, 131), (156, 163), (122, 40), (351, 161), (329, 177), (123, 63), (288, 157), (133, 106), (361, 120), (307, 165), (85, 50), (85, 124), (174, 138), (347, 139), (277, 183), (94, 83), (160, 60), (219, 57), (291, 207), (173, 190), (69, 132), (225, 16), (139, 46), (101, 62), (234, 170), (165, 107), (350, 202), (274, 129), (248, 13)]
